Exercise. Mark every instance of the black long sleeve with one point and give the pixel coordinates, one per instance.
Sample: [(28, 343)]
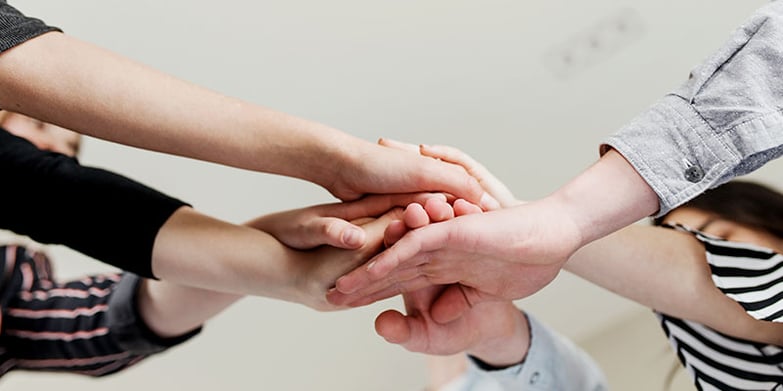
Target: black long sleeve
[(53, 199)]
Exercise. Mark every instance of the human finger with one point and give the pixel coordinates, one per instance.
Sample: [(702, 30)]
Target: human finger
[(415, 216), (447, 177), (453, 179), (488, 181), (334, 232), (381, 291), (414, 248), (376, 228), (345, 234), (374, 205), (394, 232), (438, 210), (393, 327), (462, 207)]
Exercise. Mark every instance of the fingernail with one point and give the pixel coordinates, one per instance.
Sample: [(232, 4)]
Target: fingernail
[(353, 237), (488, 202)]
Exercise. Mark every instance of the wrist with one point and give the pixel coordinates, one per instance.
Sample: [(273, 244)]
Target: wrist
[(606, 197), (329, 154), (329, 158), (283, 144), (348, 157), (508, 347)]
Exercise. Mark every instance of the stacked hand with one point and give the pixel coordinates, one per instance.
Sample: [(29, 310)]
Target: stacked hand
[(494, 331), (501, 254), (327, 241)]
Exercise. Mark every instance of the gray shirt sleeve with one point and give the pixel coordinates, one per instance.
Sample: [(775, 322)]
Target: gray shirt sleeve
[(723, 122), (127, 327), (553, 363), (16, 28)]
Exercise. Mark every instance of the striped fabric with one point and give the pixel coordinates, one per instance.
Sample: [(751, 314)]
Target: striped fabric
[(52, 327), (753, 276)]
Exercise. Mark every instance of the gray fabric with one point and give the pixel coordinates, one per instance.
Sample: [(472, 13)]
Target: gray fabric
[(128, 328), (553, 363), (725, 121), (15, 28)]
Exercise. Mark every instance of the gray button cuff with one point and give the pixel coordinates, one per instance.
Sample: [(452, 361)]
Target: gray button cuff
[(675, 151)]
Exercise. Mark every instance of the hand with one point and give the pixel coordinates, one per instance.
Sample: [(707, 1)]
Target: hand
[(494, 331), (510, 253), (374, 169), (329, 224), (491, 184), (503, 254), (313, 272)]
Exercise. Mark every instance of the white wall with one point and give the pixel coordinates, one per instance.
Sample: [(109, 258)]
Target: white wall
[(486, 76)]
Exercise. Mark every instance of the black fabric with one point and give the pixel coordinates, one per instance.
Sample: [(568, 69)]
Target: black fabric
[(16, 28), (56, 200), (489, 367)]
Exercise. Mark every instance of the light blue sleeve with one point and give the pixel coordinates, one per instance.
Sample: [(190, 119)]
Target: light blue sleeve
[(725, 121), (553, 363)]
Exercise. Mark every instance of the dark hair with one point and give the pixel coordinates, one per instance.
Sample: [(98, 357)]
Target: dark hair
[(744, 202)]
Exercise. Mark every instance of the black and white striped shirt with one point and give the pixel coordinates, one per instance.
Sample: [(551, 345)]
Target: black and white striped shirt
[(752, 276)]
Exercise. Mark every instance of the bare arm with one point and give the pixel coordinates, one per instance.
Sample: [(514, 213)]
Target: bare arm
[(244, 260), (667, 271), (59, 79), (197, 250), (171, 310)]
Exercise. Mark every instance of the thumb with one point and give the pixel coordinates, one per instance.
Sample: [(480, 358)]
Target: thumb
[(334, 232), (393, 327)]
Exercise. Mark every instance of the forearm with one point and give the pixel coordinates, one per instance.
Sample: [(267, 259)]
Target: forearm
[(62, 80), (171, 310), (723, 122), (661, 269), (196, 250), (608, 196)]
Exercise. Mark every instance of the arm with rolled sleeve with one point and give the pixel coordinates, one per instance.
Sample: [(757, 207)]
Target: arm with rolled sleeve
[(553, 363), (80, 207), (725, 121)]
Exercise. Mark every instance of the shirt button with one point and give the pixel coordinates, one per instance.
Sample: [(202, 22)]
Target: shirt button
[(534, 377), (694, 174)]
